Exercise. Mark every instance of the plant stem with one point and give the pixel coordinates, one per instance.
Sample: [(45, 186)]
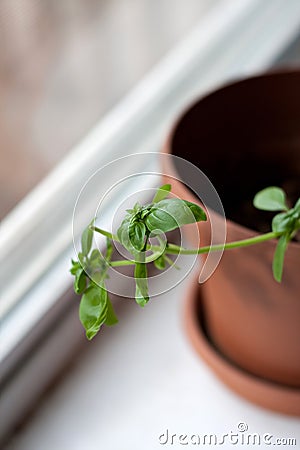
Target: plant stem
[(130, 262), (105, 233), (175, 249)]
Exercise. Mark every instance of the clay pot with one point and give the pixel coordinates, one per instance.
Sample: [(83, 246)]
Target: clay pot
[(246, 136)]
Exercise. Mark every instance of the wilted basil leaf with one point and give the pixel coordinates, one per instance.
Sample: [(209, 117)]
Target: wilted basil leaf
[(93, 309), (162, 193), (270, 199)]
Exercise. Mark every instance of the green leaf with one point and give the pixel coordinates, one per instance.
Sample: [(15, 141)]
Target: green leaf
[(162, 193), (95, 257), (75, 267), (86, 240), (286, 221), (297, 205), (271, 199), (111, 318), (281, 222), (80, 281), (141, 291), (123, 235), (169, 214), (137, 233), (160, 262), (93, 309), (109, 249), (278, 259)]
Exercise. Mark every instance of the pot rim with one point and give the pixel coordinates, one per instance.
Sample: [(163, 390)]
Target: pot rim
[(167, 146), (261, 391)]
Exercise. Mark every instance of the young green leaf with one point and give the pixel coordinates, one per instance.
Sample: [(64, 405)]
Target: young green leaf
[(278, 258), (86, 240), (75, 267), (271, 199), (93, 309), (109, 249), (123, 234), (141, 290), (161, 193), (169, 214), (111, 318), (80, 281), (286, 221), (160, 263), (137, 234)]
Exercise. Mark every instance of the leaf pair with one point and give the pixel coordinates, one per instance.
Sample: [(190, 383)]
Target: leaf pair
[(161, 216), (96, 309), (90, 272), (170, 214), (285, 223)]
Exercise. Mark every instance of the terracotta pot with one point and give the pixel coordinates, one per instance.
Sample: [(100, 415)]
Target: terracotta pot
[(246, 136), (258, 390)]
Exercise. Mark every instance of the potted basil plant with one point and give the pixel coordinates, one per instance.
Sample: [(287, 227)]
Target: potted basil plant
[(155, 220)]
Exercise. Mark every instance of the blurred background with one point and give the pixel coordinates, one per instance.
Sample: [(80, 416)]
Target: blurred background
[(63, 64)]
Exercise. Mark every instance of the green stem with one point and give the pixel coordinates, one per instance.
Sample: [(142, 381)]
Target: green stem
[(105, 233), (130, 262), (175, 249)]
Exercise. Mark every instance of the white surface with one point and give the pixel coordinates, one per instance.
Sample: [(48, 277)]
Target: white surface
[(137, 380)]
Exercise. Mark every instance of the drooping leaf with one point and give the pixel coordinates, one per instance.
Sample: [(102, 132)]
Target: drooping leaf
[(141, 290), (169, 214), (278, 258), (137, 234), (160, 263), (111, 318), (80, 281), (281, 222), (271, 199), (109, 249), (86, 240), (162, 193), (93, 309)]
